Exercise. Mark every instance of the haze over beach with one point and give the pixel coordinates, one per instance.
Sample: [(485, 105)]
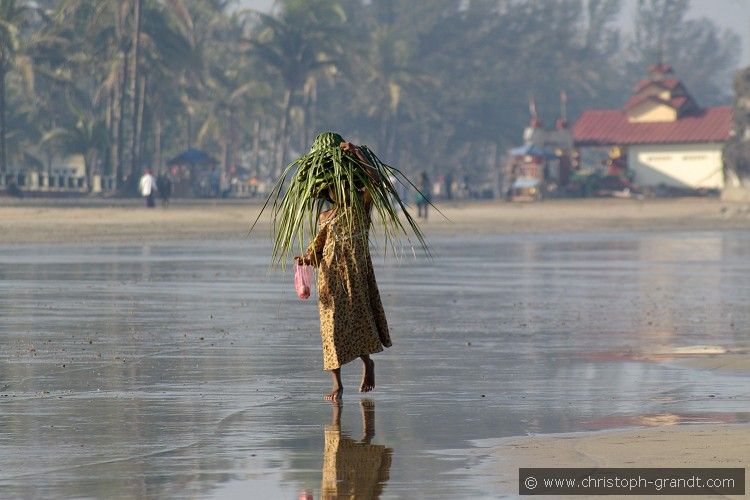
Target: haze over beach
[(84, 223), (731, 15), (727, 14), (580, 174)]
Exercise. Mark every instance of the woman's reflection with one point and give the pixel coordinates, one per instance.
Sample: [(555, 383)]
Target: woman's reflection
[(354, 469)]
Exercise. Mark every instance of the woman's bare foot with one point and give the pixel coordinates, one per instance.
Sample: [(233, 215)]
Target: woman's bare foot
[(338, 388), (335, 395), (368, 377)]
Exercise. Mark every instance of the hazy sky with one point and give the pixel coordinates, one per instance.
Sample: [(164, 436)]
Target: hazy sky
[(732, 14), (727, 14)]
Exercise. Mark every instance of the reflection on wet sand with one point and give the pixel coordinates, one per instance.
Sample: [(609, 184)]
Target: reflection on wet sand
[(189, 366), (665, 419), (354, 469)]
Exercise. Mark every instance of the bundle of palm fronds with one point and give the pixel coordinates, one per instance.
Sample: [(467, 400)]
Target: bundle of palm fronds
[(329, 174)]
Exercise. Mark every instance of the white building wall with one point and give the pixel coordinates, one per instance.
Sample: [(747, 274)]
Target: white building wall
[(73, 166), (679, 165)]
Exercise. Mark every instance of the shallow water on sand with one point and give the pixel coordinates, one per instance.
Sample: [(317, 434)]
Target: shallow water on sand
[(185, 368)]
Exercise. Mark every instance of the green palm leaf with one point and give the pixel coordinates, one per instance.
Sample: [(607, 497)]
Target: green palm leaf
[(299, 196)]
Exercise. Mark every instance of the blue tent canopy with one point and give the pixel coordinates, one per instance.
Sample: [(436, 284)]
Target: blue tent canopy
[(193, 157), (525, 183), (532, 150)]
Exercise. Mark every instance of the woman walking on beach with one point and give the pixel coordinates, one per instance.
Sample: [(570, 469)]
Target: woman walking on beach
[(352, 319), (358, 187)]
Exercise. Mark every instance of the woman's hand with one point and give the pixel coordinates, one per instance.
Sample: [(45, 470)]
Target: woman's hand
[(348, 147), (303, 260), (353, 149)]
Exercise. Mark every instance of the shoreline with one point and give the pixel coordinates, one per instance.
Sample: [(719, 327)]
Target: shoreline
[(98, 222), (660, 440), (652, 440), (658, 445)]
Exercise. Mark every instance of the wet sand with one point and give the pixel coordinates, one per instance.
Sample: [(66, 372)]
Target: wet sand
[(152, 354), (30, 221), (731, 362), (661, 445)]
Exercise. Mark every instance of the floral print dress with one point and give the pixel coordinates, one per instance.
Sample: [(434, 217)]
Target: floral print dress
[(352, 319)]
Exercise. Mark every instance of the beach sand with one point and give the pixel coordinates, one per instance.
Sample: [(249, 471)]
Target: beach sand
[(33, 221), (730, 362), (664, 445), (657, 440), (651, 442)]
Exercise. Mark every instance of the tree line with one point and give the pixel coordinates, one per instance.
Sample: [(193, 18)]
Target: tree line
[(441, 86)]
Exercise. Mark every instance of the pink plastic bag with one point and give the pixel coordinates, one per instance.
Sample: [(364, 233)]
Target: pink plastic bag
[(303, 280)]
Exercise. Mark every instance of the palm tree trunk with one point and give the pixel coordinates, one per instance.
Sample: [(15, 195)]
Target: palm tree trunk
[(139, 121), (3, 130), (120, 149), (304, 136), (384, 132), (114, 133), (224, 162), (282, 142), (48, 168), (233, 140), (189, 129), (93, 170), (254, 158), (109, 124), (313, 113), (118, 124), (157, 140), (87, 171), (392, 136), (134, 87)]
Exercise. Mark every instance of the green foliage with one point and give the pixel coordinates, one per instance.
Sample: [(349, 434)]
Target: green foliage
[(327, 172), (440, 86)]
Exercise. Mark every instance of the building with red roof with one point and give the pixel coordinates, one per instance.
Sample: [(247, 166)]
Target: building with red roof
[(666, 136)]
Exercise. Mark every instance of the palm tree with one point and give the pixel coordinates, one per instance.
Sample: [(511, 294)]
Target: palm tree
[(302, 40), (171, 67), (14, 16), (23, 131), (87, 59), (393, 83), (169, 51), (239, 92), (84, 134), (133, 51), (136, 87)]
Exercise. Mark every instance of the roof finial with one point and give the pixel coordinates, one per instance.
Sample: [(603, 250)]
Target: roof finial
[(535, 121), (562, 122), (659, 70), (563, 105)]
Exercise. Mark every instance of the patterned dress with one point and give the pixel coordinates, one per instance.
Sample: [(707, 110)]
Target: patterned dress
[(352, 320)]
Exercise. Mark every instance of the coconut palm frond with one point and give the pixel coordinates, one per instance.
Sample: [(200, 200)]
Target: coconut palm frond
[(299, 196)]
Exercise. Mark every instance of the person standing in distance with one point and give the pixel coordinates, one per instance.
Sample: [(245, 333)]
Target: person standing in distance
[(147, 187)]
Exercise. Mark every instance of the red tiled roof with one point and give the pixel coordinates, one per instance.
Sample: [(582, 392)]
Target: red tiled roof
[(668, 83), (660, 68), (674, 102), (611, 126)]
